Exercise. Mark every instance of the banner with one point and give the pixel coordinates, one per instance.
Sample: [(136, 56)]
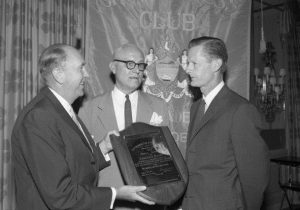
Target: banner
[(162, 29)]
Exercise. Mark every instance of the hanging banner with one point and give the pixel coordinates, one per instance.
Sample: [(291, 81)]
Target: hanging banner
[(162, 29)]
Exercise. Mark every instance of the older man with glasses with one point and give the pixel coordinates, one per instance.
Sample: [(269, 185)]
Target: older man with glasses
[(124, 105)]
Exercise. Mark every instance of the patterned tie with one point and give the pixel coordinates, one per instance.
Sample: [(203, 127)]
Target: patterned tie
[(127, 112), (199, 115), (74, 117)]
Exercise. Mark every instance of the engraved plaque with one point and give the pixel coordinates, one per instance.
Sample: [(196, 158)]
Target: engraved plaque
[(152, 158), (148, 155)]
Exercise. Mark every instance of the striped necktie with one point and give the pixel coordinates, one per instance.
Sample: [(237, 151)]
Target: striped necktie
[(74, 117)]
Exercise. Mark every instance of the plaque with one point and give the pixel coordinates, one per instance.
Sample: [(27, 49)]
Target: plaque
[(148, 155)]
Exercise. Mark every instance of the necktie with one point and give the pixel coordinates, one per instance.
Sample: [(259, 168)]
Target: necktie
[(74, 117), (127, 112), (199, 115)]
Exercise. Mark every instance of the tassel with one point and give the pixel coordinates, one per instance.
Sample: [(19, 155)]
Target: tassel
[(262, 44)]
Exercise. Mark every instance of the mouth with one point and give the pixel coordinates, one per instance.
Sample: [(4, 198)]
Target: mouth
[(82, 84), (134, 77)]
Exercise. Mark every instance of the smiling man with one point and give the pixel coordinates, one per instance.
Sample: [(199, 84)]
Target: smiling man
[(56, 162), (107, 112)]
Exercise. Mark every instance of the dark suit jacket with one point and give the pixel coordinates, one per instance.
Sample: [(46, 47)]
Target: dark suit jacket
[(99, 116), (227, 159), (54, 167)]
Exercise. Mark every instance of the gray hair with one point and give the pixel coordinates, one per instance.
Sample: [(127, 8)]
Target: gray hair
[(52, 57)]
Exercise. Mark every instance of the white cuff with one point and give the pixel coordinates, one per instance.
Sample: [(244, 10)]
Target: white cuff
[(113, 198), (106, 157)]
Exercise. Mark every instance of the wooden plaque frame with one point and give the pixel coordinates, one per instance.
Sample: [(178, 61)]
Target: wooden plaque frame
[(166, 187)]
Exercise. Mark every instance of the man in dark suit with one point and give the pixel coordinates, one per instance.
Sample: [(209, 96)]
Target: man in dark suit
[(56, 162), (106, 112), (227, 159)]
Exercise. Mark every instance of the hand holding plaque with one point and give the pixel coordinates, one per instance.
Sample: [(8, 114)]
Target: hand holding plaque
[(131, 193), (148, 155)]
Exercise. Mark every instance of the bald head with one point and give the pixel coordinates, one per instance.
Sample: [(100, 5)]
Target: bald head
[(128, 79), (127, 50)]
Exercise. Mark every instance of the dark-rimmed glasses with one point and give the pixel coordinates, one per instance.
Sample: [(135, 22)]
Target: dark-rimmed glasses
[(131, 65)]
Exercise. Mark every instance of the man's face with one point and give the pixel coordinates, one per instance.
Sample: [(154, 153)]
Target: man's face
[(200, 68), (127, 80), (75, 74)]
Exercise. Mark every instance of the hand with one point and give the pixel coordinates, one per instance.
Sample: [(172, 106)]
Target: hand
[(129, 193), (105, 144)]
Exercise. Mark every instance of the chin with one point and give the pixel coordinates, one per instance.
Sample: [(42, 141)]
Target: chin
[(80, 93), (195, 83), (135, 86)]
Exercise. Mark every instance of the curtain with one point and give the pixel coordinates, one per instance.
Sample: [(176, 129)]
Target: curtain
[(26, 29), (291, 44)]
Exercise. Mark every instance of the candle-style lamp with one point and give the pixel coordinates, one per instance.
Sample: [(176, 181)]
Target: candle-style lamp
[(269, 86)]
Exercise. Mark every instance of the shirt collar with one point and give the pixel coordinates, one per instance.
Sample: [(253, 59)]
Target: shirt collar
[(63, 102), (118, 94), (212, 94)]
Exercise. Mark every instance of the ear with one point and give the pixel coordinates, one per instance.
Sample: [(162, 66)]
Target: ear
[(58, 75), (217, 63), (112, 66)]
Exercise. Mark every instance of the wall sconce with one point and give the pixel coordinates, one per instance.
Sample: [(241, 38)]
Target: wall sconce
[(269, 91)]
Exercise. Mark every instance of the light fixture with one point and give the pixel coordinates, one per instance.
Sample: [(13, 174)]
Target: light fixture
[(269, 86)]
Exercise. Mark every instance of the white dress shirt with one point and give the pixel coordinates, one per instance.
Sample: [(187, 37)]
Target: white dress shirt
[(212, 94), (118, 98)]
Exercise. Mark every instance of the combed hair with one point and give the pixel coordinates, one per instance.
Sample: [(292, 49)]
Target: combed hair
[(51, 58), (213, 48)]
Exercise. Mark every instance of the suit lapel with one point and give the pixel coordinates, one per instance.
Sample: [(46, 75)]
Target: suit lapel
[(65, 116), (88, 136), (213, 111), (144, 108), (193, 119), (105, 112)]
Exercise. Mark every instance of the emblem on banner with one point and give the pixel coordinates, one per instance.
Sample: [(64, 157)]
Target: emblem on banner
[(165, 76)]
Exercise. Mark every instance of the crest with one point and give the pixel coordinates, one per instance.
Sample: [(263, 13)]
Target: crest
[(167, 47)]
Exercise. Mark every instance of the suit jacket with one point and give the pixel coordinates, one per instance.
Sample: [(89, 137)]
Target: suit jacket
[(99, 117), (226, 157), (54, 168)]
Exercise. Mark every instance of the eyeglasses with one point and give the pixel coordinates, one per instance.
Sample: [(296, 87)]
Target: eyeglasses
[(131, 65)]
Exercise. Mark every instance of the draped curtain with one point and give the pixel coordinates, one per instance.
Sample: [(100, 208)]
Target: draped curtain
[(291, 43), (26, 29)]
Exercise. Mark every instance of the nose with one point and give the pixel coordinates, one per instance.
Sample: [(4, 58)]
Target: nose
[(189, 68), (136, 69), (85, 73)]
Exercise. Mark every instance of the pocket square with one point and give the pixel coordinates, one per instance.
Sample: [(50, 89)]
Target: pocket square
[(156, 119)]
